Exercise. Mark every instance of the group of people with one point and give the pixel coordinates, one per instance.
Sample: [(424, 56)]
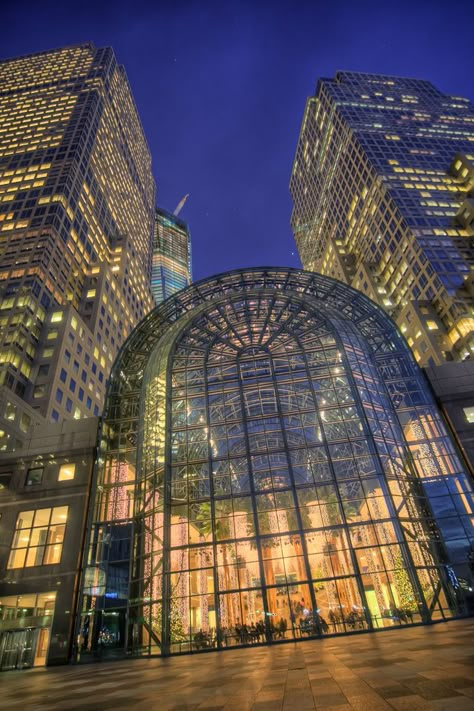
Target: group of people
[(242, 633), (312, 624), (254, 632), (401, 615), (353, 620), (204, 640)]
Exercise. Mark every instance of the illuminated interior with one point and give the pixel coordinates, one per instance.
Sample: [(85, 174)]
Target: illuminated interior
[(272, 466)]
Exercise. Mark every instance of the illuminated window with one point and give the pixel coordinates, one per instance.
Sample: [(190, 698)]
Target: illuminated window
[(10, 411), (56, 317), (432, 325), (66, 472), (469, 414), (38, 538)]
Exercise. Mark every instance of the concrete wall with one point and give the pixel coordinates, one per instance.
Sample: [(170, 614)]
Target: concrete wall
[(453, 386)]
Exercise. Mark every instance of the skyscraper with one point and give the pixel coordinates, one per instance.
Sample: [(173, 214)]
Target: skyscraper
[(77, 203), (171, 270), (382, 187)]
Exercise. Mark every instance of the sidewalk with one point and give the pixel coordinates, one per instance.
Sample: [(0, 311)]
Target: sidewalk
[(417, 669)]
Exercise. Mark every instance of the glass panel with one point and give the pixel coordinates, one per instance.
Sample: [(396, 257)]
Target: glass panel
[(42, 517), (25, 519), (242, 617), (17, 558)]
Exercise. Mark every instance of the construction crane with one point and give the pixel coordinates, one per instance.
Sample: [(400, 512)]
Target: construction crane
[(180, 205)]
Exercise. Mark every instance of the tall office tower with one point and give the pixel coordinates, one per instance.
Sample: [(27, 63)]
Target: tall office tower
[(77, 203), (382, 187), (171, 270)]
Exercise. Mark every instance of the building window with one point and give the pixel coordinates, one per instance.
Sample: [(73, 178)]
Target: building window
[(5, 478), (25, 422), (55, 416), (469, 414), (38, 538), (39, 391), (34, 476), (16, 607), (66, 472), (10, 411)]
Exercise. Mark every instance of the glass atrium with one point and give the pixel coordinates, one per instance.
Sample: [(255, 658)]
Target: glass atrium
[(272, 466)]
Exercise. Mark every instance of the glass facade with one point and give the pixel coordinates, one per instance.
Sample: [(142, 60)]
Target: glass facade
[(77, 200), (272, 466), (382, 199), (171, 269)]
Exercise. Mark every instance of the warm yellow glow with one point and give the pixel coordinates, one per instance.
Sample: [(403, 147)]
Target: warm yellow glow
[(66, 472)]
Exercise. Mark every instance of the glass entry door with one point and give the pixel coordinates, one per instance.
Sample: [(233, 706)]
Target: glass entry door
[(17, 649)]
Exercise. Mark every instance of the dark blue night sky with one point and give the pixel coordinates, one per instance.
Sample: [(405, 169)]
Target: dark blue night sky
[(221, 87)]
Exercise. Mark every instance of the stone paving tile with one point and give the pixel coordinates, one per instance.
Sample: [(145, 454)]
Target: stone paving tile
[(411, 703), (328, 700), (467, 691), (447, 704), (411, 669), (367, 702)]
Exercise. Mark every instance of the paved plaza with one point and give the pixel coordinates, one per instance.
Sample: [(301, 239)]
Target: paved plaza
[(416, 669)]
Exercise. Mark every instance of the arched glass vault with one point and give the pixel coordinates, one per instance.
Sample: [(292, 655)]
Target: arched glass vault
[(272, 466)]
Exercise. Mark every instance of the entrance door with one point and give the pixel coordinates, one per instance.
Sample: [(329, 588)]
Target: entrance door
[(16, 649), (41, 646)]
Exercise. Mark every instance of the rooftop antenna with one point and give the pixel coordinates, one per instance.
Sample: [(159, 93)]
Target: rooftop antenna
[(180, 205)]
